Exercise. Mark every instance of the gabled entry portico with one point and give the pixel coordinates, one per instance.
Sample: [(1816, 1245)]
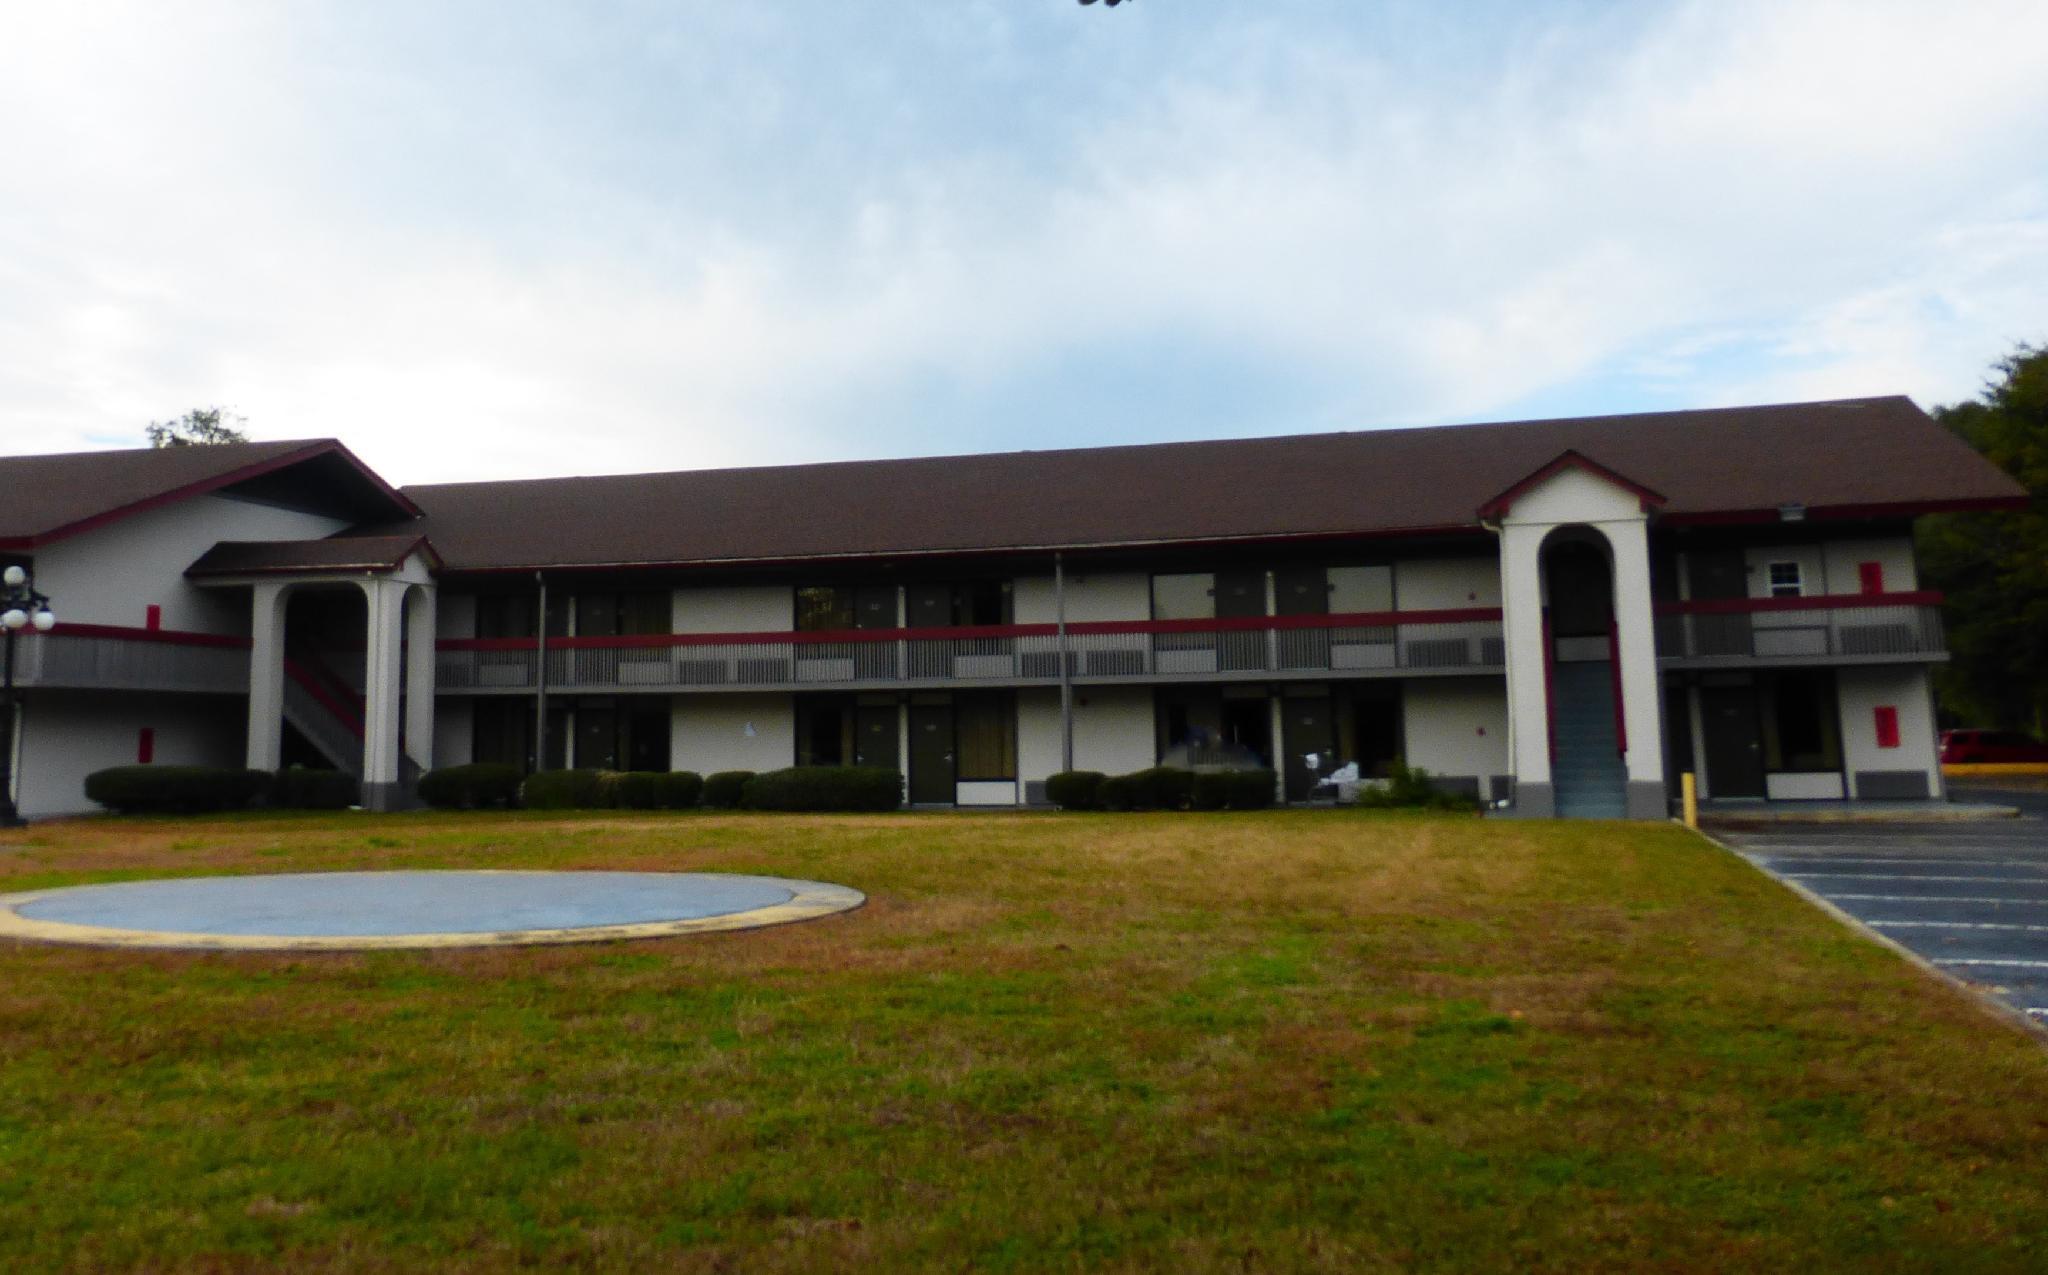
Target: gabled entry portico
[(396, 724), (1558, 528)]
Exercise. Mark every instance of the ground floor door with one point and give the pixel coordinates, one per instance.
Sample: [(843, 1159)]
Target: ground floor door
[(931, 755), (874, 737), (1733, 740), (1309, 739)]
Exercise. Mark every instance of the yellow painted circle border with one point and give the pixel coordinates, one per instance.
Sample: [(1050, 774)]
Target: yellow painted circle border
[(808, 901)]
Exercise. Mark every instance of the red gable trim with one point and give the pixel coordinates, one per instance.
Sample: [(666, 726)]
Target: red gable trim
[(1650, 499), (218, 481)]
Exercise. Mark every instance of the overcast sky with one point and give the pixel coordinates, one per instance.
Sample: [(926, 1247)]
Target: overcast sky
[(480, 240)]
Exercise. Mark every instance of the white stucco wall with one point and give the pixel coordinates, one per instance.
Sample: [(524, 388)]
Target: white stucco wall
[(113, 574), (1456, 726), (1860, 692), (765, 608), (710, 732), (69, 734), (1113, 730), (1447, 584), (1090, 597), (1843, 558)]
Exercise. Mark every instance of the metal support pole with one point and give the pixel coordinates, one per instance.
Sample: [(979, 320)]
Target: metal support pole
[(1059, 598), (540, 676), (10, 814)]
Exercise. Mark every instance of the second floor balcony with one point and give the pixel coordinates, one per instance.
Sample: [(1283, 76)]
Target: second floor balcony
[(1268, 647), (1882, 628), (105, 657)]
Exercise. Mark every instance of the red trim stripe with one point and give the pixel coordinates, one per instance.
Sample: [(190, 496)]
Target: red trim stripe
[(1817, 602), (170, 637)]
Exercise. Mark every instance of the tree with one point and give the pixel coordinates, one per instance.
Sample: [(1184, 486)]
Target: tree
[(199, 427), (1994, 566)]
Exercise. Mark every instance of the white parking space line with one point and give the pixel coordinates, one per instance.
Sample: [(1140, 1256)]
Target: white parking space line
[(1954, 925), (1908, 876), (1986, 960), (1952, 861), (1934, 898)]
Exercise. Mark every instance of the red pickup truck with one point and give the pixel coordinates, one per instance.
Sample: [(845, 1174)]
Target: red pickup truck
[(1958, 746)]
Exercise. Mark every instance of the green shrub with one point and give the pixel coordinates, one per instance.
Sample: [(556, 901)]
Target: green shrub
[(301, 789), (825, 788), (480, 785), (678, 789), (563, 790), (176, 789), (1212, 791), (1251, 789), (1119, 792), (1075, 789), (1166, 788), (724, 789), (633, 789), (1409, 788)]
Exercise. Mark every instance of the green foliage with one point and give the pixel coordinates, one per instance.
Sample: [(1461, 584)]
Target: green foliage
[(1994, 566), (632, 789), (200, 427), (724, 789), (1409, 788), (1252, 789), (564, 790), (678, 789), (176, 789), (1212, 790), (824, 788), (1159, 788), (477, 786), (1075, 789), (301, 789)]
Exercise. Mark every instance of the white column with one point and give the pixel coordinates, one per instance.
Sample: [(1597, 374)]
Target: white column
[(1642, 704), (1521, 598), (420, 631), (380, 691), (266, 676)]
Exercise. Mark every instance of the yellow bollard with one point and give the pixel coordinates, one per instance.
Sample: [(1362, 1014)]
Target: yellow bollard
[(1690, 791)]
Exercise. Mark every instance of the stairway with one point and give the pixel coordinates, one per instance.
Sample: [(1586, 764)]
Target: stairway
[(325, 721), (1589, 779)]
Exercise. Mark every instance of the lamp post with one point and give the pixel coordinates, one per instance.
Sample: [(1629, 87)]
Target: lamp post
[(20, 607)]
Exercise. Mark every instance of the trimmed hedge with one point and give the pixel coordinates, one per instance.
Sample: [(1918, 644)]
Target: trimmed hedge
[(1212, 790), (176, 789), (1252, 789), (563, 790), (725, 789), (825, 788), (477, 786), (1075, 789), (1170, 788), (653, 789), (301, 789), (1409, 788)]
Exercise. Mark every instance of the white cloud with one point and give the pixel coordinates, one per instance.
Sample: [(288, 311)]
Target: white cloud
[(1729, 201)]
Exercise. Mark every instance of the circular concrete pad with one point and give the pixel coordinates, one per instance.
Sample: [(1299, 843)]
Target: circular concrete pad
[(352, 911)]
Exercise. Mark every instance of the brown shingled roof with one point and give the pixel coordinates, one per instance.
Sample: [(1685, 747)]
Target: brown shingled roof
[(1858, 456), (45, 498), (298, 557)]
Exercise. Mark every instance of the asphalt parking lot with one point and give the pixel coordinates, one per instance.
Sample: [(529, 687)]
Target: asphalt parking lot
[(1970, 897)]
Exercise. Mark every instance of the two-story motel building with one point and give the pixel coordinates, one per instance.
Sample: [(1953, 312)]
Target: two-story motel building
[(1558, 615)]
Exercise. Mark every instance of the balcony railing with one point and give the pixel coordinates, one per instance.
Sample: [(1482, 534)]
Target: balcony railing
[(1382, 642), (104, 657), (1861, 627)]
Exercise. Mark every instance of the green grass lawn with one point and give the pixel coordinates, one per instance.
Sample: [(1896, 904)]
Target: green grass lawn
[(1296, 1040)]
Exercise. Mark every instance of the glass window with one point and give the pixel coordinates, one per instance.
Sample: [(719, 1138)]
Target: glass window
[(985, 736), (824, 730), (504, 615), (824, 608), (1785, 580), (981, 602), (1184, 597)]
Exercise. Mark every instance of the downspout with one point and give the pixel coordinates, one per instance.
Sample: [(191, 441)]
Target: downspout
[(540, 676), (1059, 597)]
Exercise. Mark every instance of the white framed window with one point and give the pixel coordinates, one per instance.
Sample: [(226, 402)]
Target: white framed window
[(1785, 580)]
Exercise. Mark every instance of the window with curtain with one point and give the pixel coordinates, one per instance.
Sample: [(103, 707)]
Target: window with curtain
[(985, 736)]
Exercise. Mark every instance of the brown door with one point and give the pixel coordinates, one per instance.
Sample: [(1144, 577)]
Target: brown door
[(931, 755), (1716, 575), (1734, 741), (1240, 594), (1308, 730), (1302, 591), (874, 737)]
